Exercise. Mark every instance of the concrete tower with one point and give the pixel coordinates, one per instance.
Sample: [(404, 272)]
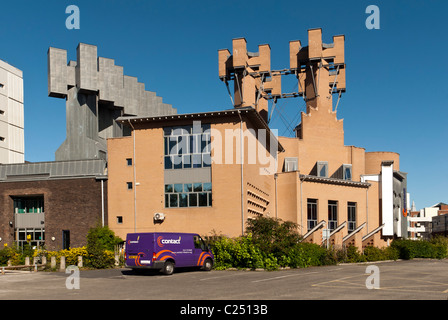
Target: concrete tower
[(319, 68), (254, 82), (97, 93)]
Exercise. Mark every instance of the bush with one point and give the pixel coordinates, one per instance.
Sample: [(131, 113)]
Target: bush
[(71, 255), (273, 235), (14, 255), (440, 247), (313, 254), (271, 243), (7, 253), (353, 255), (374, 254), (237, 253), (102, 238), (409, 249), (101, 242), (101, 259)]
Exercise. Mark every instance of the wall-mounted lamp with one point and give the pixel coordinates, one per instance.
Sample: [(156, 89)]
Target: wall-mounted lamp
[(10, 224)]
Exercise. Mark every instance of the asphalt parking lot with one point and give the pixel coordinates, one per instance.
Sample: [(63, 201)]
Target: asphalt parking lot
[(399, 280)]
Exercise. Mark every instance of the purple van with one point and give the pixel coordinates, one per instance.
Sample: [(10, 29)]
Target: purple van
[(164, 251)]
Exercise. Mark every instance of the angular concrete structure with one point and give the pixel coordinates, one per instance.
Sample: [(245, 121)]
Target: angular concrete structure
[(97, 93)]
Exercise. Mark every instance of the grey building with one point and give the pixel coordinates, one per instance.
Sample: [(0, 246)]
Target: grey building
[(97, 92), (56, 203), (400, 204)]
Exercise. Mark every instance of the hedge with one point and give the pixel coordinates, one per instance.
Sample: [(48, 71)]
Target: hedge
[(271, 244), (243, 253), (435, 248)]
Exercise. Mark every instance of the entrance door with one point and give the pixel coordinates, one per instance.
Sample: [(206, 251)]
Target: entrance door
[(65, 239)]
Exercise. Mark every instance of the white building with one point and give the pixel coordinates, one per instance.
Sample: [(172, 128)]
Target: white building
[(394, 199), (12, 139), (422, 223)]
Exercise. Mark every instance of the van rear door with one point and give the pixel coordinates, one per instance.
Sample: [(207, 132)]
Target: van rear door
[(139, 249)]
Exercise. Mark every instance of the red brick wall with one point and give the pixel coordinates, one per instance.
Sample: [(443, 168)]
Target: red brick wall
[(69, 204)]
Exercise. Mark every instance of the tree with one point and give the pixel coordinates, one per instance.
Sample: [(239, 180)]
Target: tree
[(273, 235), (100, 240)]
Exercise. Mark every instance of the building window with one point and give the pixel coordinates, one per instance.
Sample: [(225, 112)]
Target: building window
[(1, 85), (32, 236), (187, 146), (29, 205), (291, 164), (332, 214), (183, 195), (129, 162), (351, 216), (347, 171), (322, 169), (119, 219), (312, 213), (129, 185)]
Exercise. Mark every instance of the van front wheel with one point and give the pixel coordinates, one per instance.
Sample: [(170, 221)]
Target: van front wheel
[(168, 268), (208, 264)]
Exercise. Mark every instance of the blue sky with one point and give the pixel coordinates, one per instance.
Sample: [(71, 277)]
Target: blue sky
[(396, 97)]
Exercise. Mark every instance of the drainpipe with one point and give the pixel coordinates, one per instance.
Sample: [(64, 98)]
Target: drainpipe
[(242, 182), (363, 179), (135, 186), (102, 202), (367, 209), (301, 206), (276, 207)]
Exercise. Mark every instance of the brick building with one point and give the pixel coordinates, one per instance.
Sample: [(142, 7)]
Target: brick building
[(337, 194), (52, 203)]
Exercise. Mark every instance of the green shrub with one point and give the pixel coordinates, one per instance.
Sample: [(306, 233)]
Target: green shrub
[(375, 254), (353, 255), (270, 262), (440, 247), (103, 238), (101, 242), (272, 235), (71, 255), (237, 253), (408, 249), (7, 253), (271, 243)]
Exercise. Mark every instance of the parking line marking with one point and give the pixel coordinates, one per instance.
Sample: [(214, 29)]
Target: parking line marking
[(280, 277), (225, 276)]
